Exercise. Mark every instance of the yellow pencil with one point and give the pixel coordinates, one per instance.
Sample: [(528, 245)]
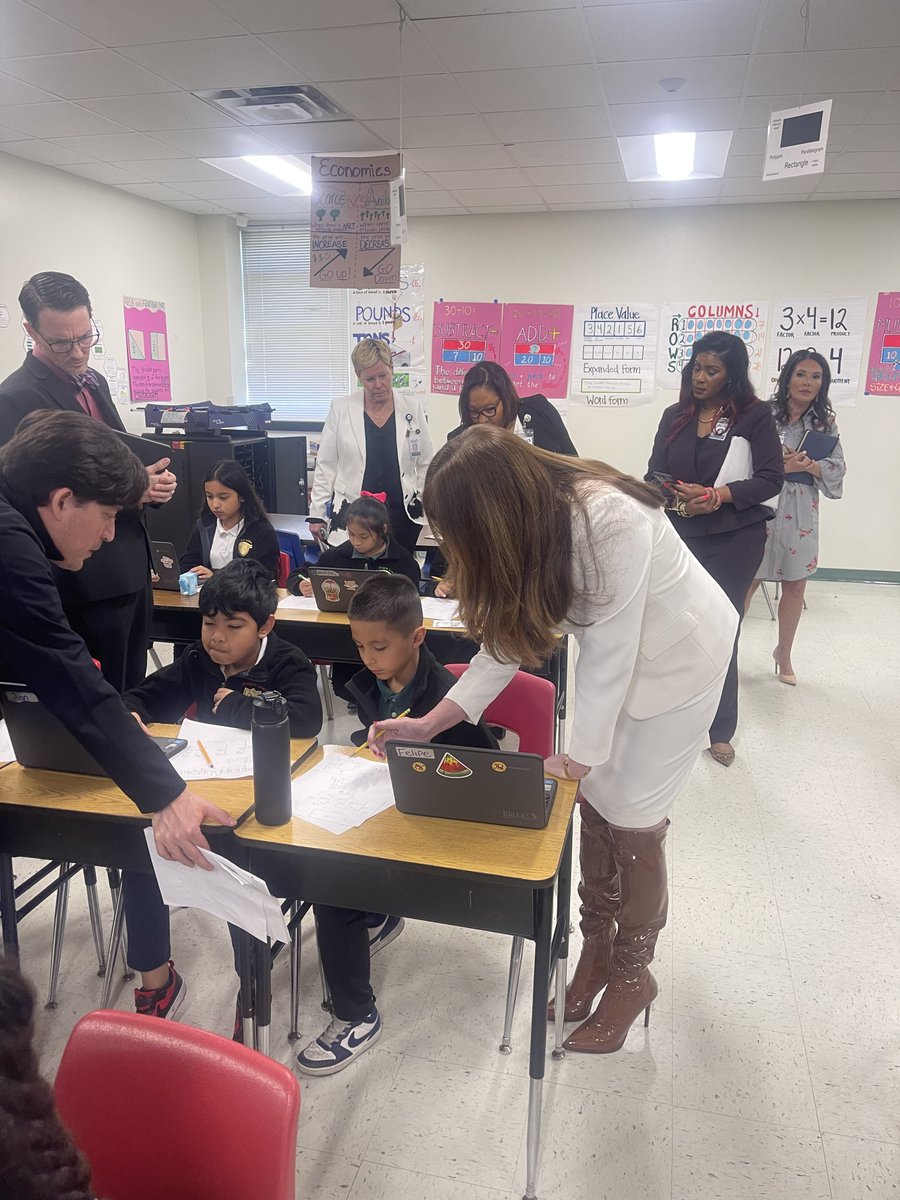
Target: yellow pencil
[(379, 732), (204, 752)]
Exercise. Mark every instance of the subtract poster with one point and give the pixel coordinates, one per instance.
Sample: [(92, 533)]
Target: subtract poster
[(462, 334), (350, 221), (535, 346), (614, 354), (398, 318), (682, 323), (834, 327), (147, 349), (883, 375)]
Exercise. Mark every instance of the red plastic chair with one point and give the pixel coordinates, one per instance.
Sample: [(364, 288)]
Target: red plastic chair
[(165, 1110), (283, 569), (527, 707)]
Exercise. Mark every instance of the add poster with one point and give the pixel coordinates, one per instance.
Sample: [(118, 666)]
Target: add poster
[(682, 323), (350, 221), (462, 334), (536, 343), (614, 354), (834, 327), (147, 348), (883, 375)]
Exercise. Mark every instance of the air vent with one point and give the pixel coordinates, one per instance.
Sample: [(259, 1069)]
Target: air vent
[(290, 104)]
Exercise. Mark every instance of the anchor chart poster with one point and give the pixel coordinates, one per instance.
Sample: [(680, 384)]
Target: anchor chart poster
[(398, 318), (350, 221), (682, 323), (147, 346), (614, 354), (883, 375), (535, 347), (834, 326), (462, 334)]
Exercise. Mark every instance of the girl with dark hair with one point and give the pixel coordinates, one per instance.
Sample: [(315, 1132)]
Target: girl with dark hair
[(539, 543), (232, 524), (800, 404), (38, 1159), (718, 459), (488, 394)]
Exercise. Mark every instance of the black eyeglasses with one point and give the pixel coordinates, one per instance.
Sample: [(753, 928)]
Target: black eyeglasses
[(475, 414), (66, 347)]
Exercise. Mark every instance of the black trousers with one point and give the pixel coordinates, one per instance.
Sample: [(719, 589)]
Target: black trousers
[(146, 922), (117, 633), (732, 559), (405, 531), (344, 946)]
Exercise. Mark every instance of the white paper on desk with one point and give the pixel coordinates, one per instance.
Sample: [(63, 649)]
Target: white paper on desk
[(438, 609), (226, 891), (305, 602), (229, 749), (342, 792), (7, 754)]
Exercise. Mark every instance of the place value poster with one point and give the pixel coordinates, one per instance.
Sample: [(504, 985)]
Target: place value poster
[(614, 354)]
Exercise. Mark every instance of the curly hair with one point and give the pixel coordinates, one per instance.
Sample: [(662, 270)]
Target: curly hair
[(38, 1159)]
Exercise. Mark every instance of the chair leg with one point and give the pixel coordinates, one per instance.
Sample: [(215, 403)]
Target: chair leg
[(90, 885), (116, 941), (59, 932), (512, 992), (326, 691), (294, 1031), (115, 889)]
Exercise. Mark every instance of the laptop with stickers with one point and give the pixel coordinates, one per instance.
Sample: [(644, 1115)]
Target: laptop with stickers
[(165, 566), (333, 588), (493, 786)]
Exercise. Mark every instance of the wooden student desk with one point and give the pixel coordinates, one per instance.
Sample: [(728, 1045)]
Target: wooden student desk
[(88, 820), (461, 873)]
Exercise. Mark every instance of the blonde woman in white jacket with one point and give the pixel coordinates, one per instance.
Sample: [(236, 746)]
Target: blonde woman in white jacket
[(538, 543), (374, 442)]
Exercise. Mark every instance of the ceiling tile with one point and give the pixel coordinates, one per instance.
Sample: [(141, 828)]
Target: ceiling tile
[(685, 189), (833, 26), (274, 206), (27, 31), (874, 137), (548, 126), (672, 29), (664, 116), (580, 150), (882, 182), (173, 170), (468, 8), (463, 130), (11, 135), (224, 189), (744, 166), (596, 206), (14, 91), (497, 196), (216, 143), (428, 201), (862, 162), (499, 177), (368, 99), (530, 39), (359, 52), (215, 63), (58, 119), (684, 202), (829, 70), (124, 147), (123, 22), (706, 78), (844, 196), (539, 87), (756, 187), (587, 173), (886, 110), (44, 152), (102, 172), (748, 141), (329, 137), (459, 158), (435, 96), (272, 16), (168, 110), (768, 198), (153, 191), (89, 73), (201, 208), (501, 209), (583, 193)]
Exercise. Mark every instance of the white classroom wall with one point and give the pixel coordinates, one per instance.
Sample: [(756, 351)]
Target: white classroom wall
[(117, 245)]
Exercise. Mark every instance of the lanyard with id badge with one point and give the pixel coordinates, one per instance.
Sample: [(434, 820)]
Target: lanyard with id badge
[(527, 429), (414, 439), (719, 431)]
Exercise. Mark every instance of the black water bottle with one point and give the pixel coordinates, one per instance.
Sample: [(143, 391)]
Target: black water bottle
[(271, 738)]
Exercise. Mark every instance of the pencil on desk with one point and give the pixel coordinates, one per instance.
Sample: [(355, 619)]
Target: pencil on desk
[(204, 752), (399, 716)]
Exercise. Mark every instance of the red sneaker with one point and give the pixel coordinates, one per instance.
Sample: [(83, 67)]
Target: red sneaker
[(162, 1002)]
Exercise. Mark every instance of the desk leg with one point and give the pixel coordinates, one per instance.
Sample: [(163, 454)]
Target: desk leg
[(244, 946), (563, 900), (262, 959), (543, 921), (8, 907)]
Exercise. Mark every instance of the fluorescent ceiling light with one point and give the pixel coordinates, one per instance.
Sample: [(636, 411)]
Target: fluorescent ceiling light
[(280, 174), (674, 154), (663, 157)]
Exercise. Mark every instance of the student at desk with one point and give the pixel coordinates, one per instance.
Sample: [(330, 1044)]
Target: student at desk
[(237, 658), (400, 675), (232, 525)]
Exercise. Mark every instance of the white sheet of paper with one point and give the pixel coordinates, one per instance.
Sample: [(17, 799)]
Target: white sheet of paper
[(305, 602), (226, 891), (438, 609), (342, 792), (7, 754), (229, 749)]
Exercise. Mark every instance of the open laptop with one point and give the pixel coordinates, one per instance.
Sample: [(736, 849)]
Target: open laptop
[(497, 787), (334, 588), (165, 566), (41, 741)]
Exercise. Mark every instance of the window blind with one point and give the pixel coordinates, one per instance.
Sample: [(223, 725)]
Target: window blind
[(296, 338)]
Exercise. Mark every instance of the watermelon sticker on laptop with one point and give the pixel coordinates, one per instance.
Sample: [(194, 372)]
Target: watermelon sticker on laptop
[(451, 768)]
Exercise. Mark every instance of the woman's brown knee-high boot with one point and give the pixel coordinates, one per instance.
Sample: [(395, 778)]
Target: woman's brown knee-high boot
[(599, 892), (641, 860)]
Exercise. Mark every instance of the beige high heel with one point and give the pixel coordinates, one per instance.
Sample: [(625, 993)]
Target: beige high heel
[(790, 680)]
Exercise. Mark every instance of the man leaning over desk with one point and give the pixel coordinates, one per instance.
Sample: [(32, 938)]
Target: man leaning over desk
[(63, 481)]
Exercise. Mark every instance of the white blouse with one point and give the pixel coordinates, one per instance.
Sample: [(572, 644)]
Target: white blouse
[(221, 552)]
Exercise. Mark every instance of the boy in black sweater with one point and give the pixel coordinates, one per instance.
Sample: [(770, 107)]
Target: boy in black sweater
[(237, 658), (400, 677)]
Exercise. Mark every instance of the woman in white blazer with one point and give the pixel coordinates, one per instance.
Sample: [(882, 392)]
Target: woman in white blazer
[(541, 542), (376, 442)]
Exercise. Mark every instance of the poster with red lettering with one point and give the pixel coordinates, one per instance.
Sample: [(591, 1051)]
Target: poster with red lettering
[(462, 334), (683, 323), (883, 375), (535, 348)]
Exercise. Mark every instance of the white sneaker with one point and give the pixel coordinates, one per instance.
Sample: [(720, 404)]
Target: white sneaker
[(340, 1043)]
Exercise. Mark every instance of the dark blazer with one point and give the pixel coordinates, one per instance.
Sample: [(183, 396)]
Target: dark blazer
[(39, 648), (194, 678), (538, 414), (396, 560), (699, 460), (431, 684), (260, 534), (120, 567)]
